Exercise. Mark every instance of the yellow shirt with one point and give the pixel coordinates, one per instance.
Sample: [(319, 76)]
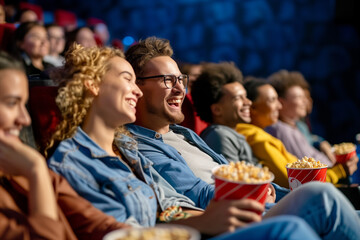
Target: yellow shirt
[(271, 152)]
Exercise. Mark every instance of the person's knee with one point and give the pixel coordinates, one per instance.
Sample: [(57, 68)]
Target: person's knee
[(318, 188), (290, 225)]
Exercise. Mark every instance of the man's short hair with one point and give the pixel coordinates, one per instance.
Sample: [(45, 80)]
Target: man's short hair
[(251, 85), (208, 88), (139, 54)]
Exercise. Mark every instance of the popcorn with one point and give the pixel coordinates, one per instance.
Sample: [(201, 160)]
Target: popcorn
[(156, 233), (344, 148), (243, 172), (306, 162)]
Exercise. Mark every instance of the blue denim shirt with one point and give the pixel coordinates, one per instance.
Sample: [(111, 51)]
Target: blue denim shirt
[(108, 182), (172, 166)]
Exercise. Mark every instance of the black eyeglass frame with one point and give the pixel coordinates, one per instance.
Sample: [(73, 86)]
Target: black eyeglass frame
[(172, 76)]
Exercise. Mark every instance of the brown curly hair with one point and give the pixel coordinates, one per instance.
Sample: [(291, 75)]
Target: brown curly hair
[(73, 99)]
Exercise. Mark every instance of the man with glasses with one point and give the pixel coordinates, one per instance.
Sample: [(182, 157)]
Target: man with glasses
[(158, 112), (183, 159)]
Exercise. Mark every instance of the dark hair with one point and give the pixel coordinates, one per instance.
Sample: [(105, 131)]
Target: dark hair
[(251, 86), (283, 80), (9, 62), (207, 88), (71, 37), (139, 54), (20, 34)]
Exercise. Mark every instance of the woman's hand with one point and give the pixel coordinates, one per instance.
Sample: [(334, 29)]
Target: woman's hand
[(18, 159)]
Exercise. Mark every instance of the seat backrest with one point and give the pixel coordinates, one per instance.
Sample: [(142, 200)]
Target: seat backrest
[(7, 31), (36, 8), (66, 19), (44, 113), (192, 120)]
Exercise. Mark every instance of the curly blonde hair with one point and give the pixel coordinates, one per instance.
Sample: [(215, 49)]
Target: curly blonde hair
[(73, 99)]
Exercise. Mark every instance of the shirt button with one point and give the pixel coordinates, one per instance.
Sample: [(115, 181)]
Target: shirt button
[(157, 135), (130, 187)]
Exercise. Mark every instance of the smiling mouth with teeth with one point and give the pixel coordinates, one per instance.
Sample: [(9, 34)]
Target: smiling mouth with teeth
[(14, 132), (132, 103), (174, 102)]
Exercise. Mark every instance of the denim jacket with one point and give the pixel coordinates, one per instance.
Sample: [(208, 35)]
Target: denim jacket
[(172, 166), (108, 182)]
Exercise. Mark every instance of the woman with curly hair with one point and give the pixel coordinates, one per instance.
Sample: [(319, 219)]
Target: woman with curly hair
[(36, 203)]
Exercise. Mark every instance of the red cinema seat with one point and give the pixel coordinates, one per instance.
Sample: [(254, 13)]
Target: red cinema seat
[(66, 19), (45, 114), (7, 31), (192, 120)]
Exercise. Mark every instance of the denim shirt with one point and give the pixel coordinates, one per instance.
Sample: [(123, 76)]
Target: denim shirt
[(108, 182), (172, 166)]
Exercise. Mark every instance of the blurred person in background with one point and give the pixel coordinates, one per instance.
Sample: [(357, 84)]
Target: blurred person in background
[(26, 15), (83, 36), (32, 45), (193, 71), (56, 36)]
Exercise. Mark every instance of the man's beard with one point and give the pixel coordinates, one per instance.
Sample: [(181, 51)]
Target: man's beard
[(171, 118)]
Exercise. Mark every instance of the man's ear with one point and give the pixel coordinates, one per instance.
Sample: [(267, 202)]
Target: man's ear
[(215, 109), (92, 87), (281, 100)]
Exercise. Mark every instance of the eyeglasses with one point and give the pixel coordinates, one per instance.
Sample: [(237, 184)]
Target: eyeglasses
[(170, 80)]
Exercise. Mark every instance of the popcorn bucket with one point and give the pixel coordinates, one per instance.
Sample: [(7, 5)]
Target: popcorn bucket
[(343, 158), (160, 231), (235, 190), (299, 176)]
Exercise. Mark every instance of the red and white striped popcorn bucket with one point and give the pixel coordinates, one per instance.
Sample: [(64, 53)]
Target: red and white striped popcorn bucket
[(299, 176), (235, 190), (343, 158)]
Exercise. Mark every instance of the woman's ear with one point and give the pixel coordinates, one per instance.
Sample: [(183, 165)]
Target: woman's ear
[(92, 87)]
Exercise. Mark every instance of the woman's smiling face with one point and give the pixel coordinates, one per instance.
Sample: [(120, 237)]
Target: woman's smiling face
[(13, 97)]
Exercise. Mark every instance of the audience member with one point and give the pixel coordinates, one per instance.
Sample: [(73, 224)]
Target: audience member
[(289, 86), (100, 29), (26, 15), (36, 203), (220, 99), (32, 45), (268, 149), (193, 71), (83, 36), (163, 86), (56, 35), (107, 171), (303, 124)]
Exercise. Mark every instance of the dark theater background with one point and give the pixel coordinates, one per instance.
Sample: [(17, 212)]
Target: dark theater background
[(318, 38)]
